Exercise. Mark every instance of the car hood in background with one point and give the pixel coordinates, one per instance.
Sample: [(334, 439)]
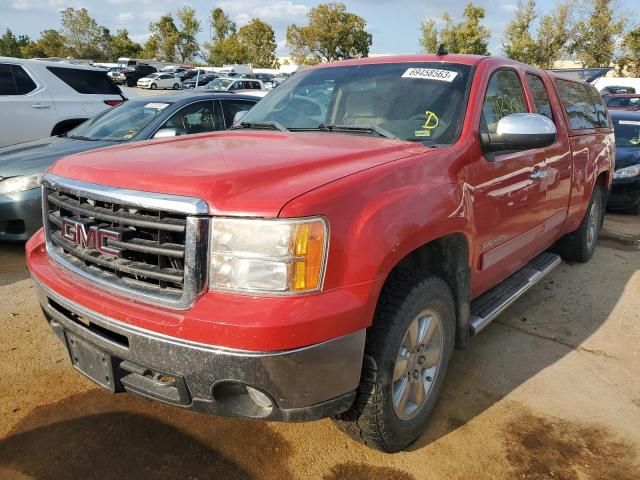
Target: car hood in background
[(627, 156), (238, 172), (38, 155)]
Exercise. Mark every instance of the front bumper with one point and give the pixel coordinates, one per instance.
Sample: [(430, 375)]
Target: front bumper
[(303, 384), (625, 194), (20, 214)]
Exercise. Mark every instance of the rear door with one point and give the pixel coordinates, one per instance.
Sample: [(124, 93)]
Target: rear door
[(509, 190), (26, 108)]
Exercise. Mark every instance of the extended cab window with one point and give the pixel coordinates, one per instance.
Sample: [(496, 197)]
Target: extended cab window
[(504, 96), (540, 96), (598, 103), (578, 105), (415, 101), (86, 81)]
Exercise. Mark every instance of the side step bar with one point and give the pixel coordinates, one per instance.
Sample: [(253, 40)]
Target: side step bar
[(492, 303)]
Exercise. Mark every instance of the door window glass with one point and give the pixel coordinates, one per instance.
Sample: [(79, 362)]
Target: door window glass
[(504, 97), (199, 117), (540, 96), (231, 107)]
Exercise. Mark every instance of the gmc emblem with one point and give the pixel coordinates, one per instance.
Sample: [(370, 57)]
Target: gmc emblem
[(90, 235)]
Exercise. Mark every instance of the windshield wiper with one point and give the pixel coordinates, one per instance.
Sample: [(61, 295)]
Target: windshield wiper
[(270, 125), (357, 128), (82, 137)]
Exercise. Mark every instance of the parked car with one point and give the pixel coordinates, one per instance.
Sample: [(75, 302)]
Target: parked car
[(616, 89), (130, 76), (203, 80), (264, 77), (113, 70), (629, 101), (325, 256), (234, 84), (40, 98), (625, 191), (160, 80), (22, 166), (189, 74)]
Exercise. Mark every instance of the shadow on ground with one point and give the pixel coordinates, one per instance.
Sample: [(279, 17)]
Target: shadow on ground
[(100, 435), (13, 267)]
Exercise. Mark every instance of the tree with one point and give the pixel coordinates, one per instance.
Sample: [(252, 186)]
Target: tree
[(629, 62), (223, 27), (187, 44), (429, 40), (50, 44), (9, 46), (121, 45), (225, 46), (82, 35), (595, 37), (518, 43), (150, 49), (554, 32), (166, 37), (259, 42), (332, 34), (468, 36)]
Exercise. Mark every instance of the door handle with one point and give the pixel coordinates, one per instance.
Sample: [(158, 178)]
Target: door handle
[(538, 174), (40, 105)]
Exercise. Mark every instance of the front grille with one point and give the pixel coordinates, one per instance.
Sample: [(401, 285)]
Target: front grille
[(155, 254)]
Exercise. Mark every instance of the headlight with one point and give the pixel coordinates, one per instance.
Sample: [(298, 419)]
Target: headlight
[(280, 256), (19, 184), (627, 172)]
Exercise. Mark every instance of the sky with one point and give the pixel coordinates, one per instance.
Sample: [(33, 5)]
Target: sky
[(394, 24)]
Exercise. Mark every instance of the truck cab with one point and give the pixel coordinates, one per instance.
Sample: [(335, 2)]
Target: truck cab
[(361, 222)]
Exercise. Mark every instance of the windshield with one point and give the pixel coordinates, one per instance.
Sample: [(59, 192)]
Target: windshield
[(627, 132), (121, 123), (220, 83), (411, 101), (623, 102)]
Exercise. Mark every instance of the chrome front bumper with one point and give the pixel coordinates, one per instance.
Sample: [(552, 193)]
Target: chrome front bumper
[(303, 384)]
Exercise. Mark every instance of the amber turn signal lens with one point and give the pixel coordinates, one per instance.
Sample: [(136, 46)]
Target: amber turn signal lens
[(309, 244)]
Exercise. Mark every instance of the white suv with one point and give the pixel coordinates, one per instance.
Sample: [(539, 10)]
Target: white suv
[(40, 99)]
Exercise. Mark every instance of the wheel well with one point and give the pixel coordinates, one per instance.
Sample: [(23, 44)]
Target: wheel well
[(448, 258), (65, 125)]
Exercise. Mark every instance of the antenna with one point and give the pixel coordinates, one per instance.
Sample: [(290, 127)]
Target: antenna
[(441, 50)]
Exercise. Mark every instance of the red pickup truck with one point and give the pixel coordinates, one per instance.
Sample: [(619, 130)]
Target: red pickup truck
[(325, 256)]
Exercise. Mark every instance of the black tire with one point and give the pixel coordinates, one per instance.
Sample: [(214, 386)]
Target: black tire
[(130, 82), (372, 419), (153, 86), (176, 86), (579, 246)]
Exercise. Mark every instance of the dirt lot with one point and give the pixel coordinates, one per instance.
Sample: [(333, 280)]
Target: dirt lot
[(551, 390)]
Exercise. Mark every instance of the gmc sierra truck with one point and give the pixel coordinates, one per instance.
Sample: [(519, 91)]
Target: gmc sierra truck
[(325, 256)]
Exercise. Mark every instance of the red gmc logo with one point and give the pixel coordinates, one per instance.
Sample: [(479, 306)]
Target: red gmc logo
[(89, 235)]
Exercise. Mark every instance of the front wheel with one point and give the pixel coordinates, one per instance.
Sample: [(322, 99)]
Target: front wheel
[(153, 86), (407, 353)]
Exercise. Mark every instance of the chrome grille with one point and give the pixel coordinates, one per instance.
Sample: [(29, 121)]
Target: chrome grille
[(162, 239)]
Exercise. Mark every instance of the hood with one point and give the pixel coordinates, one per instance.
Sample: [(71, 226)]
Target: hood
[(38, 155), (235, 172), (627, 156)]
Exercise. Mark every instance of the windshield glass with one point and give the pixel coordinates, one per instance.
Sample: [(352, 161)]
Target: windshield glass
[(412, 101), (120, 123), (220, 83), (627, 132), (623, 102)]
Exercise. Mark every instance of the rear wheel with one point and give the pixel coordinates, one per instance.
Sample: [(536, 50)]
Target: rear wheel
[(130, 82), (153, 86), (176, 86), (408, 349), (579, 246)]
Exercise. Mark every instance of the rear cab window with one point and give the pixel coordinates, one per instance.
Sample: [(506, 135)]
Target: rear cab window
[(88, 82), (583, 109)]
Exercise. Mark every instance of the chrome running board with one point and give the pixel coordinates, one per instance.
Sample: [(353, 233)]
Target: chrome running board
[(492, 303)]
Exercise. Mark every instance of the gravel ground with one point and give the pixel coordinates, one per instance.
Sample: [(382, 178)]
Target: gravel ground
[(549, 391)]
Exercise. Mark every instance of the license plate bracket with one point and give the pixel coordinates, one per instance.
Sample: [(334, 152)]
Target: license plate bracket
[(92, 362)]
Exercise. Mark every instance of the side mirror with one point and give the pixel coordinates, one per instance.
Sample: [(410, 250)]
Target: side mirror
[(166, 133), (520, 131), (238, 116)]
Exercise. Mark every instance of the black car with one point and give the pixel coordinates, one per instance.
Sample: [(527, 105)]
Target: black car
[(625, 191), (616, 89), (202, 80), (130, 77), (189, 74), (143, 118)]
